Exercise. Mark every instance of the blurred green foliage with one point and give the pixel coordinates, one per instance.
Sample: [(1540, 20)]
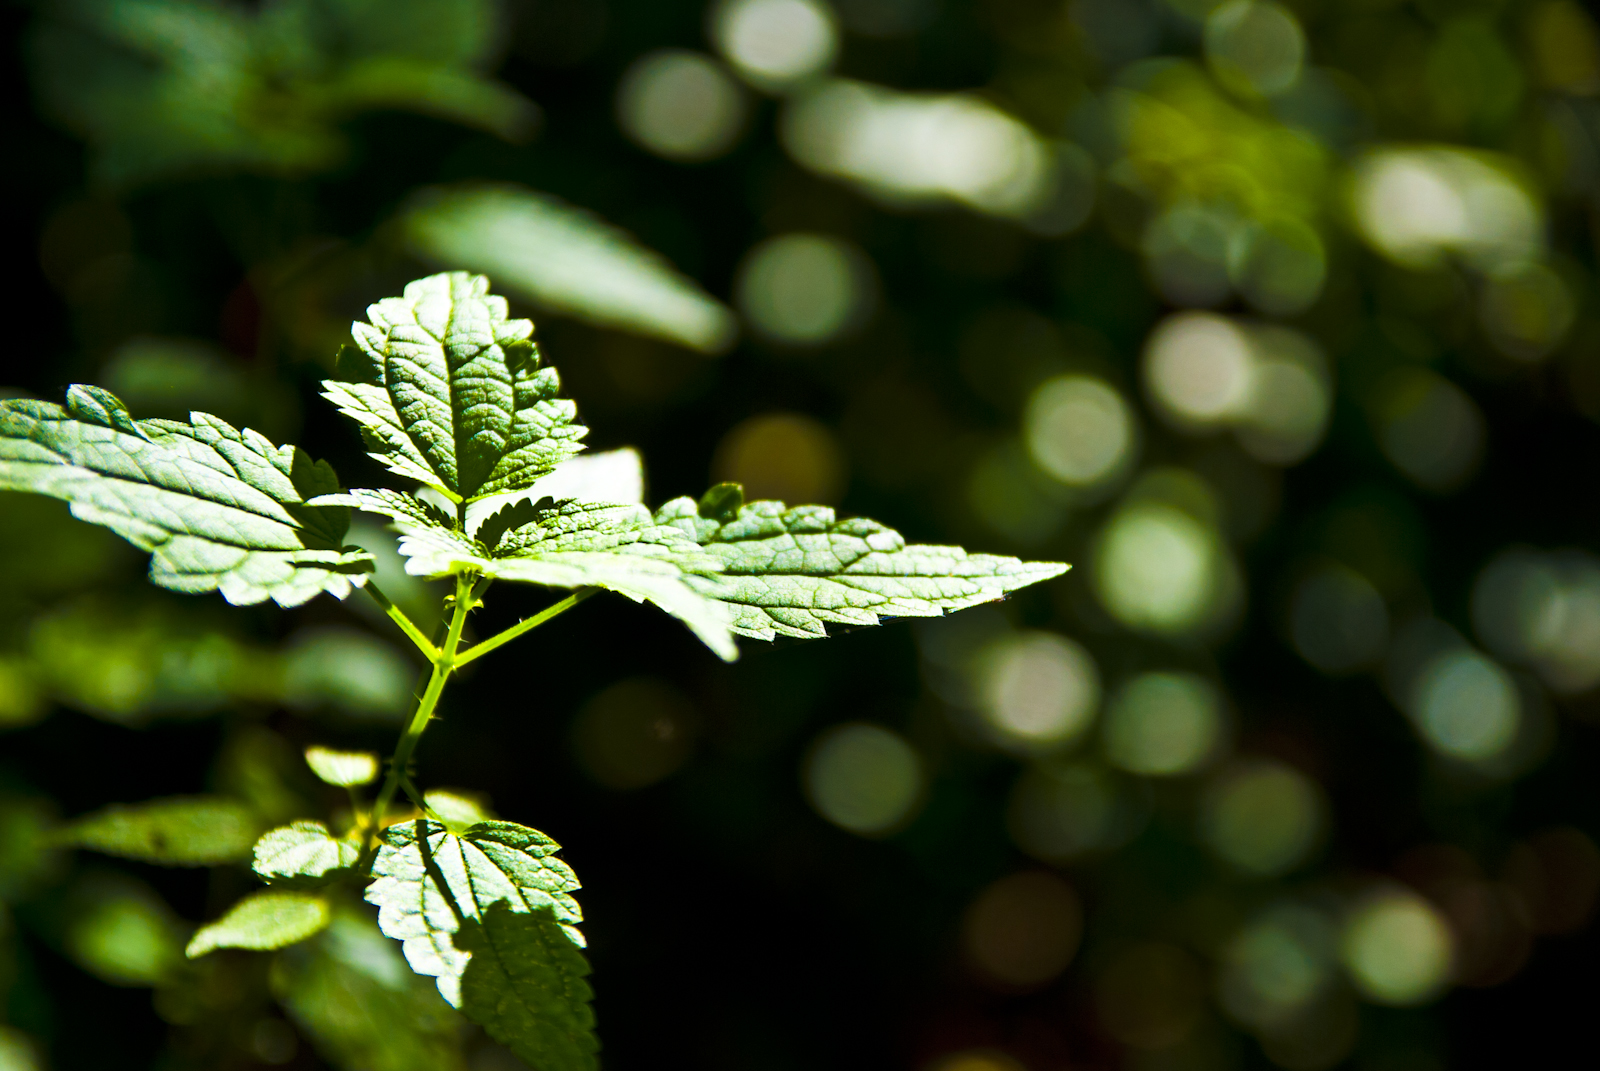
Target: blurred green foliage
[(1278, 320)]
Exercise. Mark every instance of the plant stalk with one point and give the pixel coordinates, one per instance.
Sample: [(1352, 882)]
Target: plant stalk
[(521, 627)]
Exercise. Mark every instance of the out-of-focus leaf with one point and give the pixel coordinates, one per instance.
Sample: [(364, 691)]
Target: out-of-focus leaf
[(177, 831), (162, 88), (793, 571), (350, 992), (27, 848), (169, 377), (118, 930), (349, 671), (221, 510), (460, 810), (449, 391), (303, 853), (44, 551), (22, 698), (429, 880), (347, 769), (566, 260), (264, 920), (525, 984), (18, 1052), (259, 767)]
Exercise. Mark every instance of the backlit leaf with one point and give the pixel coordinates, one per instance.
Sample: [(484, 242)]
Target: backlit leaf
[(266, 919), (347, 769), (220, 509), (303, 853), (449, 392), (793, 571)]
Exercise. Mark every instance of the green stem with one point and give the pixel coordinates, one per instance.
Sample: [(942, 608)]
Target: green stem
[(524, 626), (444, 663), (397, 615)]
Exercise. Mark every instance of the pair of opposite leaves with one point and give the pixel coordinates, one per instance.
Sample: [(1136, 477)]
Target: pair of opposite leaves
[(449, 393)]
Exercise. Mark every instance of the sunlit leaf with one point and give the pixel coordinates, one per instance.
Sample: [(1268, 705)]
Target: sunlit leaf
[(567, 260), (177, 831), (460, 810), (352, 996), (449, 392), (793, 571), (346, 769), (303, 852), (266, 919), (567, 545), (429, 881), (222, 510)]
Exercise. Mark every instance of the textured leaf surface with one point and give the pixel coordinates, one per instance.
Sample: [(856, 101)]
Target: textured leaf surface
[(525, 985), (303, 853), (266, 919), (448, 391), (792, 572), (220, 509), (178, 831), (566, 260), (429, 881), (568, 545), (351, 995)]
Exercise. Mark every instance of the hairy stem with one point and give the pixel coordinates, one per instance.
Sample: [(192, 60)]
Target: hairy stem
[(524, 626), (397, 615), (444, 663)]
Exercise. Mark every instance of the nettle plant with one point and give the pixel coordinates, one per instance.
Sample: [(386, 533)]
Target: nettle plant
[(450, 394)]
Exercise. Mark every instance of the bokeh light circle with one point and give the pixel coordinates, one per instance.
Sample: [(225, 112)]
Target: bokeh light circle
[(1197, 368), (1255, 46), (1038, 690), (805, 289), (1466, 706), (863, 778), (1156, 568), (1079, 430), (1262, 817), (680, 104), (1337, 620), (1397, 948), (1023, 930), (1161, 724), (775, 43)]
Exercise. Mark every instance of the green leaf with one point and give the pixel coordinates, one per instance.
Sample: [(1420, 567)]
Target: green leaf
[(568, 545), (120, 931), (791, 572), (221, 510), (352, 996), (347, 769), (429, 881), (450, 392), (303, 853), (162, 88), (264, 920), (177, 831), (524, 983), (566, 260), (460, 810)]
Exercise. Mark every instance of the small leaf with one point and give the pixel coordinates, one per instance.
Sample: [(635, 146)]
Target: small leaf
[(567, 260), (347, 769), (429, 880), (264, 920), (524, 983), (460, 810), (303, 853), (352, 996), (220, 509), (456, 398), (791, 572), (178, 831)]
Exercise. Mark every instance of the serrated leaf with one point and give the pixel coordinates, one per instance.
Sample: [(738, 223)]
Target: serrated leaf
[(347, 769), (524, 984), (452, 394), (565, 259), (177, 831), (569, 545), (351, 995), (220, 509), (428, 881), (303, 852), (792, 572), (264, 920)]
